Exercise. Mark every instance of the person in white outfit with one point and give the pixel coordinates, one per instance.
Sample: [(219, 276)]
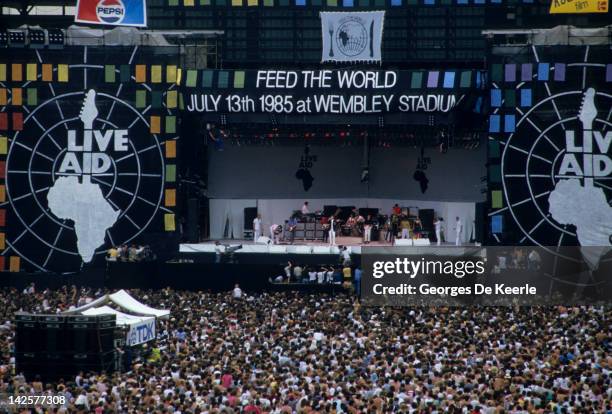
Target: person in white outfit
[(256, 227), (305, 209), (458, 231), (332, 232), (438, 227)]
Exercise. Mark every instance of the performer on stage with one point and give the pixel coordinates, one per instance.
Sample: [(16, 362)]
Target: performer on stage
[(325, 227), (332, 232), (305, 209), (291, 226), (459, 231), (405, 226), (275, 233), (256, 227), (367, 230), (438, 226)]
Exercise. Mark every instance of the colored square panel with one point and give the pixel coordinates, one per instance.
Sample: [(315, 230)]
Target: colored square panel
[(252, 3), (170, 173), (526, 72), (2, 242), (62, 73), (609, 72), (3, 96), (2, 72), (396, 2), (17, 121), (497, 199), (497, 220), (31, 72), (509, 98), (2, 193), (543, 71), (526, 97), (170, 197), (171, 74), (173, 2), (156, 74), (379, 3), (416, 80), (2, 263), (2, 218), (179, 75), (2, 170), (171, 99), (496, 72), (495, 173), (192, 77), (462, 1), (222, 81), (156, 99), (155, 125), (141, 73), (207, 78), (3, 121), (204, 2), (17, 96), (3, 145), (170, 125), (221, 2), (509, 123), (47, 72), (236, 2), (432, 79), (268, 3), (125, 73), (16, 72), (494, 149), (169, 224), (496, 98), (364, 3), (109, 74), (449, 80), (466, 79), (332, 3), (494, 123), (32, 96), (14, 264), (171, 149), (181, 102), (189, 3), (348, 3), (239, 79), (559, 72), (479, 1), (510, 72), (429, 2), (141, 99)]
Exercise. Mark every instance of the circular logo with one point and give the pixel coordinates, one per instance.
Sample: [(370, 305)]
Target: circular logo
[(351, 36), (110, 11), (82, 177)]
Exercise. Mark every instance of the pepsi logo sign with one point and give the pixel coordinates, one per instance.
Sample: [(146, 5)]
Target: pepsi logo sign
[(110, 11)]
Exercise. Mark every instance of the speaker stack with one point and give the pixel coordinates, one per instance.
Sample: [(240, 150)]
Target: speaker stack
[(58, 346)]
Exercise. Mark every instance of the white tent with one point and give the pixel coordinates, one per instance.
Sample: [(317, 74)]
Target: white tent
[(140, 328), (123, 300)]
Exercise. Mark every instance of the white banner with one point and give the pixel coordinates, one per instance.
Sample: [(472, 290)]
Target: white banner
[(352, 36), (141, 332)]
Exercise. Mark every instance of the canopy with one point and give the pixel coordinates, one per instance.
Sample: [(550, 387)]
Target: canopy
[(124, 301), (122, 318)]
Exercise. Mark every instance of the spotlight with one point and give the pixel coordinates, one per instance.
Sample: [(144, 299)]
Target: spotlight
[(56, 38), (17, 38), (36, 38)]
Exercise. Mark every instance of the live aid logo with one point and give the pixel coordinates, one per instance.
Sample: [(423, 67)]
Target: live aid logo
[(86, 153)]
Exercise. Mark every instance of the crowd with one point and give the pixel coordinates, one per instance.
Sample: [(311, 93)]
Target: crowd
[(294, 353), (132, 253)]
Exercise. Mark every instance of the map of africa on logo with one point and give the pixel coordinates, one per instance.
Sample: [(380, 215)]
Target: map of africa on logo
[(83, 202)]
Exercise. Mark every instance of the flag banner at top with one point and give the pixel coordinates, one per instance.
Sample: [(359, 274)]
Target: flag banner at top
[(352, 36), (578, 6), (112, 12)]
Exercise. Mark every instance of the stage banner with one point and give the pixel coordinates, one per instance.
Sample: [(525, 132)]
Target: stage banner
[(550, 164), (326, 91), (578, 6), (352, 36), (112, 12), (87, 154)]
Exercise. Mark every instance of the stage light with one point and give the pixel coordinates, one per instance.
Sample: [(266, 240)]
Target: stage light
[(36, 38), (56, 38), (17, 38)]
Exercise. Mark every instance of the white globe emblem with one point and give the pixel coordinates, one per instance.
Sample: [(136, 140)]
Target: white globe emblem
[(351, 36)]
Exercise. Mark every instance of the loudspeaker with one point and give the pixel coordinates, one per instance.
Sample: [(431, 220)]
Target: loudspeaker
[(249, 215), (329, 210), (192, 229), (426, 215)]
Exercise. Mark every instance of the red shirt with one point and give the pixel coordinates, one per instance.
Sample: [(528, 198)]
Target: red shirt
[(397, 210)]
